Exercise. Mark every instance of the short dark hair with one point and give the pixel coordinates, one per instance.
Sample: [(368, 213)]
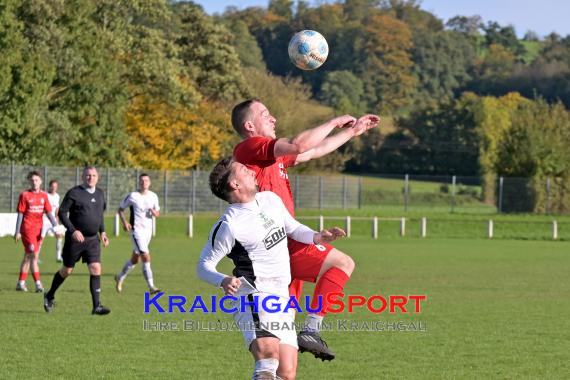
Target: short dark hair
[(219, 178), (33, 173), (143, 175), (53, 181), (240, 113)]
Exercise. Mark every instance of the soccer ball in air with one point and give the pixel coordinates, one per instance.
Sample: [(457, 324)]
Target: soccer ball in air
[(308, 50)]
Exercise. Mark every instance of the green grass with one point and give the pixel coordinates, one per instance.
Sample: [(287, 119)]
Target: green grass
[(494, 309)]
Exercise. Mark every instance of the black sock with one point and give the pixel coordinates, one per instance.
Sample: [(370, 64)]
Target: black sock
[(95, 286), (58, 279)]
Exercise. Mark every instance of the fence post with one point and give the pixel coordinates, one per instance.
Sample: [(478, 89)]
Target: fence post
[(548, 195), (296, 191), (117, 224), (490, 229), (77, 176), (344, 195), (501, 195), (193, 209), (453, 182), (165, 187), (403, 227), (321, 222), (375, 227), (406, 191), (359, 192), (423, 230), (554, 230), (12, 170), (347, 226), (108, 185), (190, 225), (320, 192)]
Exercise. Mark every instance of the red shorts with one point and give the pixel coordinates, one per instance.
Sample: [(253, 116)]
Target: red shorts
[(306, 262), (32, 241)]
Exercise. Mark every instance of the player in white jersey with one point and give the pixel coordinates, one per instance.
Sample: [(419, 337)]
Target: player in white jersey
[(143, 205), (253, 233), (54, 199)]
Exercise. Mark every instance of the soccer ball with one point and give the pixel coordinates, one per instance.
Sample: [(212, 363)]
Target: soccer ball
[(308, 50)]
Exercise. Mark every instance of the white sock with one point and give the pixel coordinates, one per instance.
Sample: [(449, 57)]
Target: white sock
[(22, 282), (147, 273), (313, 322), (127, 268), (58, 247), (38, 283), (265, 369)]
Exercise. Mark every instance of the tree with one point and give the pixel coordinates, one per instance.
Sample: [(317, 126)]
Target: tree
[(343, 91), (386, 71), (166, 137), (245, 45), (469, 25), (443, 63)]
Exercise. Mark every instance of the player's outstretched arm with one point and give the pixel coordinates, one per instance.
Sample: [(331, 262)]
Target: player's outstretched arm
[(310, 138), (220, 243), (332, 143), (329, 235)]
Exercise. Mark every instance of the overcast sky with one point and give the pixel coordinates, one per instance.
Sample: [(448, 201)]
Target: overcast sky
[(543, 16)]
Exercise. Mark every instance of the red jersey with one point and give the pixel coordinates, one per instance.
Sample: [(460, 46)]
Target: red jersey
[(33, 206), (257, 153)]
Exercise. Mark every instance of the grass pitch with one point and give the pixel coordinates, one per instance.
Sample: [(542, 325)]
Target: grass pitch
[(494, 309)]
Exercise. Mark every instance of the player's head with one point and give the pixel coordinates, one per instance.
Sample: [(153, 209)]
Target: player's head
[(251, 118), (35, 179), (53, 185), (144, 182), (90, 176), (232, 181)]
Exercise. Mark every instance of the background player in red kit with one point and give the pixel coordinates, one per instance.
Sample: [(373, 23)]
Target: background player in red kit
[(269, 158), (32, 205)]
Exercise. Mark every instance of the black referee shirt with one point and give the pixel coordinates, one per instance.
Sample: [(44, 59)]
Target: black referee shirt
[(85, 211)]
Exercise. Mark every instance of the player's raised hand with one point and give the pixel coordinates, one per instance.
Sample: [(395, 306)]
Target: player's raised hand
[(365, 123), (329, 235), (344, 121), (230, 285)]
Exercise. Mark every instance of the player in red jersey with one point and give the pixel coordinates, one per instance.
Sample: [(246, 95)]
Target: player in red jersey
[(269, 157), (32, 205)]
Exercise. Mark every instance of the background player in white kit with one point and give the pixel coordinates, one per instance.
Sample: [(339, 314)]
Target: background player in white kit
[(144, 206), (253, 233), (54, 200)]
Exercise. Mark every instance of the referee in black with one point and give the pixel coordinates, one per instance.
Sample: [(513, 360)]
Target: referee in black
[(81, 212)]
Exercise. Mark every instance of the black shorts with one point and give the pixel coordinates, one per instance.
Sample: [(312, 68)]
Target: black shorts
[(89, 251)]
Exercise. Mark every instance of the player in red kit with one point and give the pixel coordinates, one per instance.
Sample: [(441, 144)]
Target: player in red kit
[(32, 206), (269, 157)]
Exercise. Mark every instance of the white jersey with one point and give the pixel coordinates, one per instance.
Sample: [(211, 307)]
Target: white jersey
[(140, 206), (54, 202), (254, 236)]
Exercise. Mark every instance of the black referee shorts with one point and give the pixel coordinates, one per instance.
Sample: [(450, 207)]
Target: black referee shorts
[(89, 250)]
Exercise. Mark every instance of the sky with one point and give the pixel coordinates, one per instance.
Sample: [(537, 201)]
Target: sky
[(541, 16)]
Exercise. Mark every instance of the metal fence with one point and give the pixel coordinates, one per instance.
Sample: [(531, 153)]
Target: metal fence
[(188, 191)]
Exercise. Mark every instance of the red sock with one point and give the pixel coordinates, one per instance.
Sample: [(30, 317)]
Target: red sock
[(23, 276), (36, 276), (331, 282)]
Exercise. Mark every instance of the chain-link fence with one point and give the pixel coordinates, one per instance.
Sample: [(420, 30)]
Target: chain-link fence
[(188, 191)]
